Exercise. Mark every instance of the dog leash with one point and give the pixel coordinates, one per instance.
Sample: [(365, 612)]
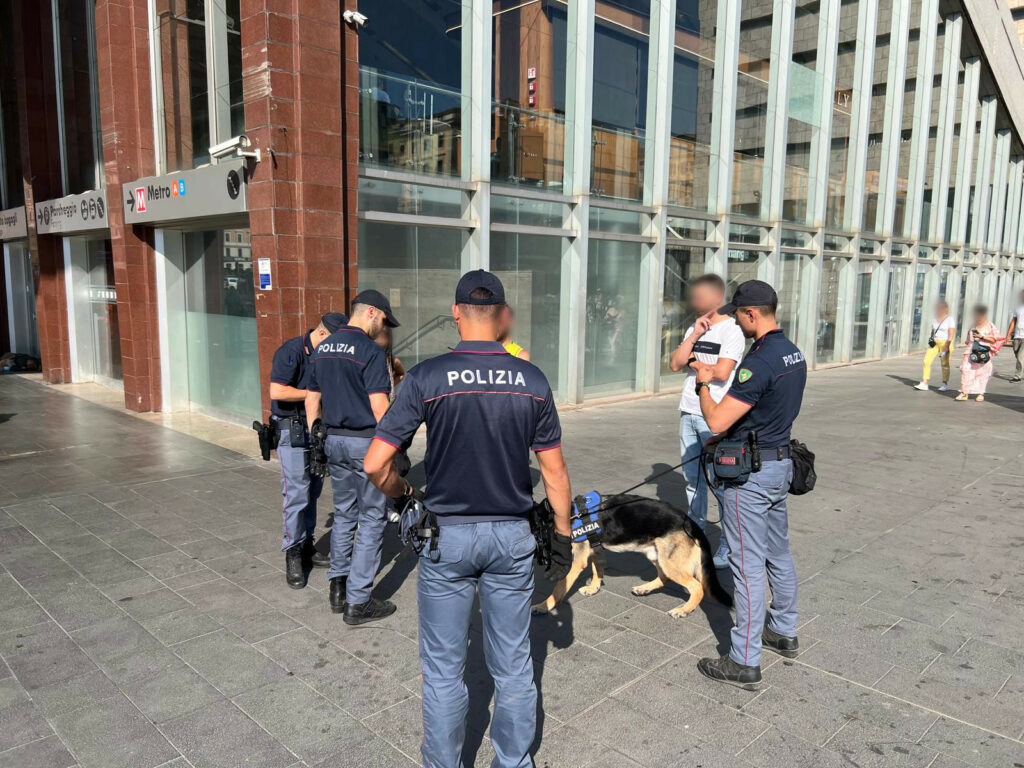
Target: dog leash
[(652, 478)]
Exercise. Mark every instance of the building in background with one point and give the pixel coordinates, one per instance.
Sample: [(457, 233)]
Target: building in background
[(864, 157)]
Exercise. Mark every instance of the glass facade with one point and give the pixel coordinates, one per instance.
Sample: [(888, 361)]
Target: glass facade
[(12, 188), (199, 48), (76, 65), (94, 298), (599, 201)]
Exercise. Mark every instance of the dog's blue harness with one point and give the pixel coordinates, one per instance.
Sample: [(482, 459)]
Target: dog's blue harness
[(586, 524)]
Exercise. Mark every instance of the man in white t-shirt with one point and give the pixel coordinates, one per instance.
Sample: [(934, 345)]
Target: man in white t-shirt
[(1016, 336), (715, 340)]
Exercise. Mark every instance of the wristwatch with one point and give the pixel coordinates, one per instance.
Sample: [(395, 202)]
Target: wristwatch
[(700, 384)]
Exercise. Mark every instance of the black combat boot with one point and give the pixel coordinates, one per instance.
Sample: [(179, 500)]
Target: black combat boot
[(338, 584), (725, 670), (294, 573), (371, 610), (314, 556), (782, 645)]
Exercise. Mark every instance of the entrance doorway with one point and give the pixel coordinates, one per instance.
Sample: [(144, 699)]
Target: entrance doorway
[(97, 332), (21, 300)]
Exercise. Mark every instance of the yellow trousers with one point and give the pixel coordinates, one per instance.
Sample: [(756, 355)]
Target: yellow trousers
[(941, 350)]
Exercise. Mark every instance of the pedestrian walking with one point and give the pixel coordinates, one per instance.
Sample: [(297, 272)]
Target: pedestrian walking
[(976, 369), (940, 345)]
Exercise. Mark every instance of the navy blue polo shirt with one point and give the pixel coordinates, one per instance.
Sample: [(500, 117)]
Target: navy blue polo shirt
[(291, 368), (485, 411), (770, 378), (346, 368)]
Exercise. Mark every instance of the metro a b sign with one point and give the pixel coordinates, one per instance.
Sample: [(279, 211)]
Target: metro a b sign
[(140, 199)]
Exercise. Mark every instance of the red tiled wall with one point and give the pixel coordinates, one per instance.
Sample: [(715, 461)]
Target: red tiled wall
[(122, 43), (292, 81), (41, 171)]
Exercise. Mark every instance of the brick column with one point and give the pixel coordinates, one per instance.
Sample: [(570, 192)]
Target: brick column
[(302, 196), (122, 53), (40, 158)]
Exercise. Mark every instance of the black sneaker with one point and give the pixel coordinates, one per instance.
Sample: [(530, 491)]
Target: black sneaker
[(338, 584), (372, 610), (782, 645), (293, 571), (725, 670)]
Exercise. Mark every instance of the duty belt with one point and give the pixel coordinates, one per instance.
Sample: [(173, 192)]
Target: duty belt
[(779, 453), (346, 432)]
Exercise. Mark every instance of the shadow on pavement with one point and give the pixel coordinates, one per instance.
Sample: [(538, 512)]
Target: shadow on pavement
[(1012, 402)]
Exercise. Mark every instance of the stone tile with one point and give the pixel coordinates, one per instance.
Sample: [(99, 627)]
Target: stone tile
[(220, 734), (105, 567), (850, 664), (567, 747), (113, 642), (137, 544), (152, 605), (69, 695), (972, 745), (44, 753), (336, 674), (578, 676), (113, 734), (208, 549), (608, 759), (20, 720), (17, 608), (43, 655), (374, 753), (177, 627), (302, 720), (240, 567), (173, 563), (232, 665), (680, 633), (73, 604), (777, 748), (636, 649)]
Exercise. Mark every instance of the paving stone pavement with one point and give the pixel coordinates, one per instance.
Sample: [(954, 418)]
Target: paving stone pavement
[(145, 621)]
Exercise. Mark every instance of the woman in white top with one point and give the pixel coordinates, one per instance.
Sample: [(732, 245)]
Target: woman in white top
[(944, 337)]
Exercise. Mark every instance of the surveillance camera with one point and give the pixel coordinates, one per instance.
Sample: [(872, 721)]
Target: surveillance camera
[(355, 18), (234, 147)]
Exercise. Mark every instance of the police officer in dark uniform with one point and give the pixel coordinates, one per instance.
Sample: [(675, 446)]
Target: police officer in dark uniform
[(349, 384), (764, 399), (289, 377), (485, 412)]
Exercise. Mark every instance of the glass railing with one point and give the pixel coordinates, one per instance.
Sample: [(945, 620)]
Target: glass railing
[(618, 163), (688, 172), (408, 124), (528, 147)]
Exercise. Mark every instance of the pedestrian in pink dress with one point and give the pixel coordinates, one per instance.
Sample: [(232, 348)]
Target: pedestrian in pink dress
[(981, 344)]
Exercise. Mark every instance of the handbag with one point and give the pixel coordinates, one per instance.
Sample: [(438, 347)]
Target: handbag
[(980, 354), (931, 336)]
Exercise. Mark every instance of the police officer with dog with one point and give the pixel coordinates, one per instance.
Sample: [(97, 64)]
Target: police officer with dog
[(349, 385), (289, 377), (753, 466), (485, 411)]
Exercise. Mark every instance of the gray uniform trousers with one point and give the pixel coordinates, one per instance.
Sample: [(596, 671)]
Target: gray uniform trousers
[(756, 526), (496, 560), (360, 515), (300, 491)]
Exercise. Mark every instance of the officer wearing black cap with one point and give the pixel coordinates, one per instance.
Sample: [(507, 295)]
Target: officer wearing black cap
[(349, 385), (764, 399), (289, 377), (485, 411)]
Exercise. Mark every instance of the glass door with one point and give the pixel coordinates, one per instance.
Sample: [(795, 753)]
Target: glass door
[(101, 300), (21, 300), (834, 283), (893, 326), (220, 324), (862, 312)]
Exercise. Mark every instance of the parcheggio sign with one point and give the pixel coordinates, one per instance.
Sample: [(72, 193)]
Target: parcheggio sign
[(13, 225), (74, 213), (213, 190)]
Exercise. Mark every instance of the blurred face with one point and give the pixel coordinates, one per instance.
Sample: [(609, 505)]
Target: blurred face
[(506, 323), (704, 298), (979, 317), (941, 309), (383, 338)]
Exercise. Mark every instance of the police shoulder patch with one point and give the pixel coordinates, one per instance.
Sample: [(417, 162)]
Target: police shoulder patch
[(744, 375)]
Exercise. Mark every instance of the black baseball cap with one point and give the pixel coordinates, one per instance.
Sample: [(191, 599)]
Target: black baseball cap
[(752, 293), (332, 321), (376, 299), (479, 278)]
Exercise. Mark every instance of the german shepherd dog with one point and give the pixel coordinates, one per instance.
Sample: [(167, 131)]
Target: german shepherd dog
[(667, 537)]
